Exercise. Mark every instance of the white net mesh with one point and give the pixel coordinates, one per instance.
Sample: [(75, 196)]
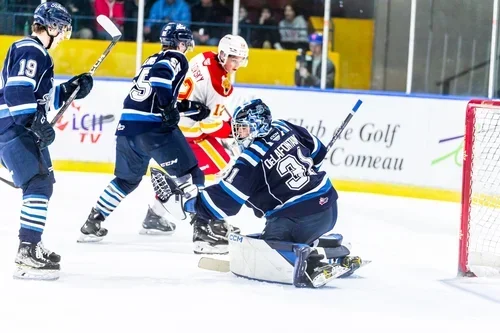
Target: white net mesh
[(484, 221)]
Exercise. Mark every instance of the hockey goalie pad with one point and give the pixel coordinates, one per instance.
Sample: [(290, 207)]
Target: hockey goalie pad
[(173, 193)]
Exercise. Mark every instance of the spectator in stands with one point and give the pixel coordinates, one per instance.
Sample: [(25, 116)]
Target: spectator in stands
[(113, 9), (82, 27), (244, 20), (164, 11), (308, 67), (208, 11), (266, 35), (293, 29)]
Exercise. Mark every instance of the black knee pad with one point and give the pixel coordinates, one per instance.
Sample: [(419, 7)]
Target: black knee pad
[(128, 185), (39, 185)]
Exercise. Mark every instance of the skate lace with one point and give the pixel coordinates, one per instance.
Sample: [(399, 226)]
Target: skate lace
[(40, 252), (44, 249)]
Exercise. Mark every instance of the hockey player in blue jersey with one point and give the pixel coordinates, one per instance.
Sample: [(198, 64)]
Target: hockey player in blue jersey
[(148, 129), (26, 95), (278, 176)]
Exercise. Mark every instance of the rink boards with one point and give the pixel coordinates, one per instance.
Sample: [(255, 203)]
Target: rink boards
[(395, 144)]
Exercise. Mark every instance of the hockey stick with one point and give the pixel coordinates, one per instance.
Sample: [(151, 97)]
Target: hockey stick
[(346, 121), (115, 33)]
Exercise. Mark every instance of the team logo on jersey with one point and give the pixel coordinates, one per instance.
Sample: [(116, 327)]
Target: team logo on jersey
[(226, 84), (276, 137), (323, 201)]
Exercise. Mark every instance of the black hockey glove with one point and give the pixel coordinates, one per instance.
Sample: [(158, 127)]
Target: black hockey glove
[(43, 130), (85, 82), (170, 115), (187, 105)]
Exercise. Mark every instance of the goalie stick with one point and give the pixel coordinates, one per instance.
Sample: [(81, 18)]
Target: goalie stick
[(115, 33), (223, 266)]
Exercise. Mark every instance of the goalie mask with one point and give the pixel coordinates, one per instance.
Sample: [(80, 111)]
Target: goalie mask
[(251, 120)]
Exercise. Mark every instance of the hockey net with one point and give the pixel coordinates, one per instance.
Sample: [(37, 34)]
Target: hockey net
[(479, 253)]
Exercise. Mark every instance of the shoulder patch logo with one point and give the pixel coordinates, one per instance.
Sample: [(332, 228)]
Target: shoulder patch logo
[(275, 137), (226, 84)]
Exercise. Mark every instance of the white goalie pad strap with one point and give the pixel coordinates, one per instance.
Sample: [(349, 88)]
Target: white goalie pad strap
[(255, 259)]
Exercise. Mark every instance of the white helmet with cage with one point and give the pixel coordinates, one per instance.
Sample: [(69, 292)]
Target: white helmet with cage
[(233, 45)]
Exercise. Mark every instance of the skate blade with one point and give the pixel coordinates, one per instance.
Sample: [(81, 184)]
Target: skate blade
[(89, 239), (352, 270), (155, 232), (206, 248), (322, 279), (26, 273)]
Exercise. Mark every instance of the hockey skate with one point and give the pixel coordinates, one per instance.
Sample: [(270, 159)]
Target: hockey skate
[(311, 272), (91, 231), (49, 255), (155, 224), (210, 237), (31, 263), (353, 263)]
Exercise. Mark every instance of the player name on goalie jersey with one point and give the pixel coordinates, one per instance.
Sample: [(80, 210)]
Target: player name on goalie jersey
[(280, 151)]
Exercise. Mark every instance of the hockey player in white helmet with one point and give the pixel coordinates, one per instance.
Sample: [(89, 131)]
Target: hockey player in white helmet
[(208, 85)]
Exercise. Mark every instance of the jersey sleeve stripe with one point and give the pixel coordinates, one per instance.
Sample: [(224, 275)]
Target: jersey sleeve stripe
[(317, 145), (23, 109), (166, 63), (31, 43), (134, 115), (159, 82), (20, 81), (280, 126), (233, 192), (211, 206), (260, 148), (249, 159), (4, 111)]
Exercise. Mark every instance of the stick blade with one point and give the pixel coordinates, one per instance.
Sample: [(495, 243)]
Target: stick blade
[(213, 264), (109, 26)]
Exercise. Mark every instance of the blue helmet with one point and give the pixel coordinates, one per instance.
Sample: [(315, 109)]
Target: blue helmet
[(54, 16), (251, 120), (316, 38), (173, 34)]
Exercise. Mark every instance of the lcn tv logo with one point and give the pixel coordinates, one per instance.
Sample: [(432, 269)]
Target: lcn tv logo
[(88, 125)]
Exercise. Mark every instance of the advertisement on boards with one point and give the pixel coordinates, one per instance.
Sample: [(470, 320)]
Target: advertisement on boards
[(391, 139)]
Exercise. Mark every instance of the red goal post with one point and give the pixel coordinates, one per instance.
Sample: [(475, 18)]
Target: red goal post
[(479, 249)]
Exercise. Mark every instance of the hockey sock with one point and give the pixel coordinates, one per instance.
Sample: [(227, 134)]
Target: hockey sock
[(33, 216), (110, 198)]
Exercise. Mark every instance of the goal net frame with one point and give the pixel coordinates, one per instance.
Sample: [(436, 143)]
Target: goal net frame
[(477, 255)]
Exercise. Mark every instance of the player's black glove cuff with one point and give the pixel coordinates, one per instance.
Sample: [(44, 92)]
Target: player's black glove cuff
[(43, 130), (85, 81), (170, 115), (187, 105)]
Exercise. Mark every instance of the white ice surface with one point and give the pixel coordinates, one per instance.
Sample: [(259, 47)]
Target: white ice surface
[(135, 283)]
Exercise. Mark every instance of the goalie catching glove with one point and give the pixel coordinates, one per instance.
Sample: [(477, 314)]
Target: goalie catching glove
[(174, 194)]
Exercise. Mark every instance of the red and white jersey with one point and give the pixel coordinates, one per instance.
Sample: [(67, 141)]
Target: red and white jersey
[(207, 82)]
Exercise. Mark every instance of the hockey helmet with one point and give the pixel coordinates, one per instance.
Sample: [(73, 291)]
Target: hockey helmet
[(53, 15), (173, 34), (233, 45), (251, 120)]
